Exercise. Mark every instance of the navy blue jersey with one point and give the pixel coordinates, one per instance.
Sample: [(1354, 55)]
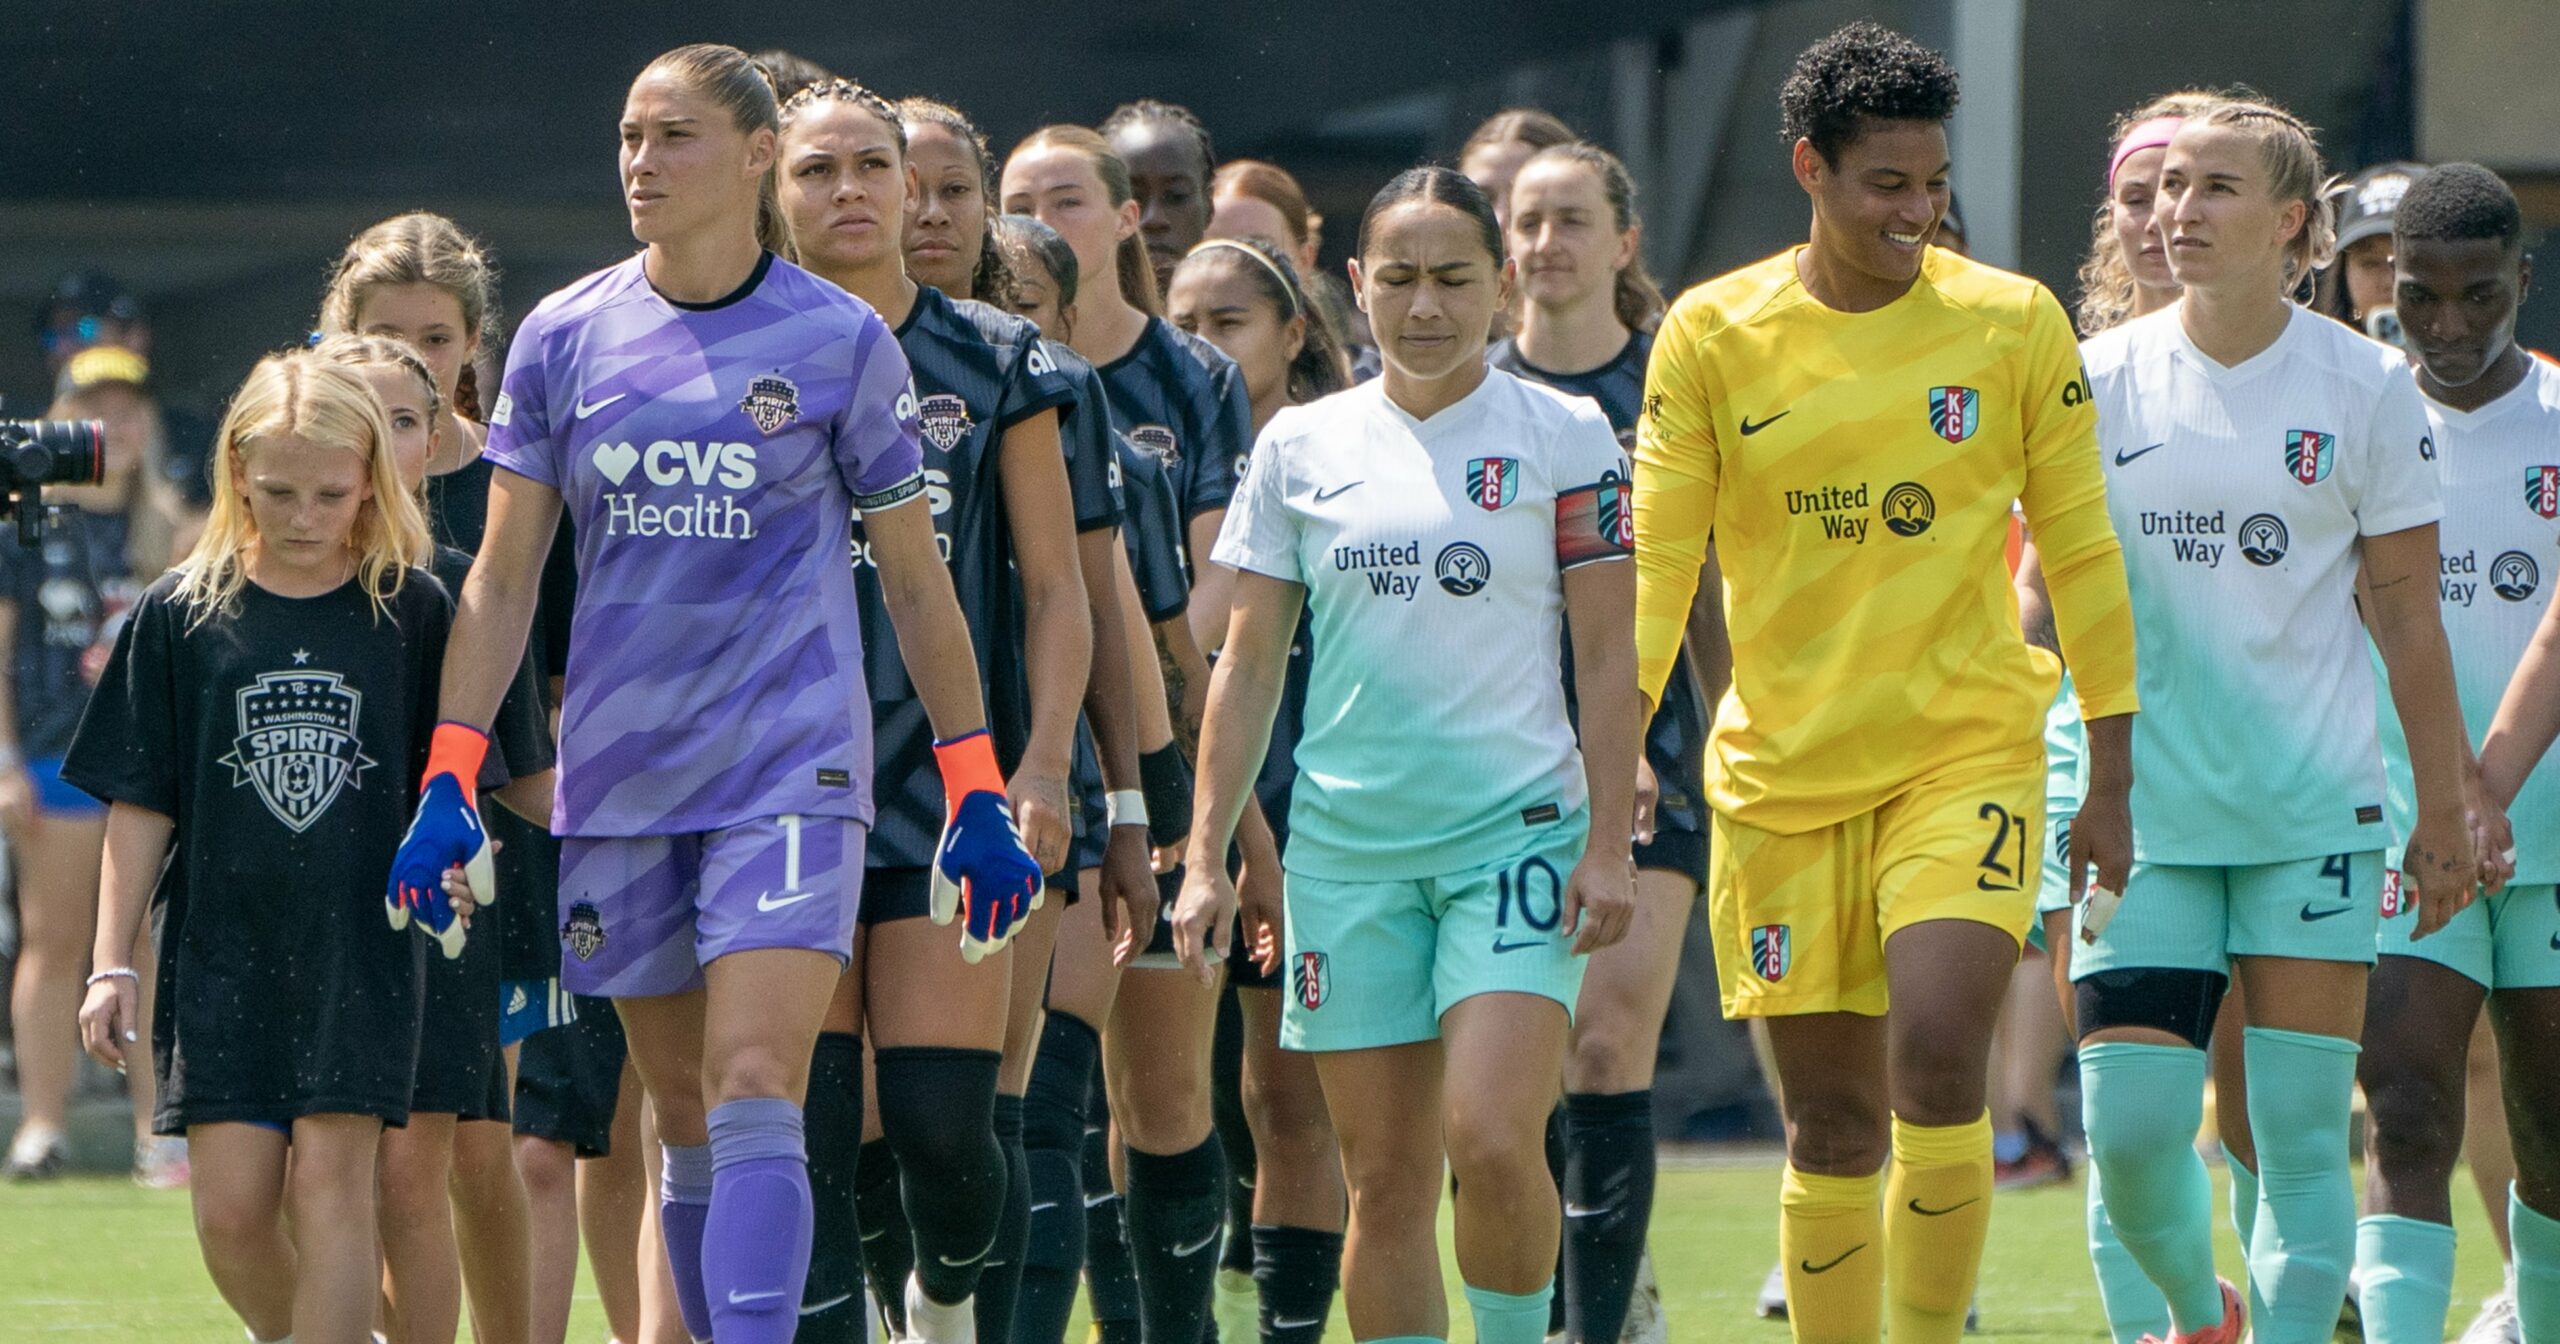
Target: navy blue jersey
[(977, 372), (458, 515), (1675, 742), (1151, 527), (1093, 466), (71, 591), (1180, 400)]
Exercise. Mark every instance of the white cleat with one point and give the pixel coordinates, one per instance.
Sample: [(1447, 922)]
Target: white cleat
[(1645, 1322), (931, 1322), (1773, 1295), (2496, 1323)]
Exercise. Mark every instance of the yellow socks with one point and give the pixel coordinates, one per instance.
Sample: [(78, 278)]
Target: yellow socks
[(1937, 1213), (1833, 1243)]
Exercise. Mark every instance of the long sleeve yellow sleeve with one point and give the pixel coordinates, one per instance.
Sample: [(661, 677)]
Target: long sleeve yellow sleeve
[(1676, 467)]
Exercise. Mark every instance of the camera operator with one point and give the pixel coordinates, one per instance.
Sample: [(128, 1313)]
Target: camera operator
[(61, 604)]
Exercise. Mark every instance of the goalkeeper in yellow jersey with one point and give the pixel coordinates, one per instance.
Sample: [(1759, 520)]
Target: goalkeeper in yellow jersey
[(1851, 421)]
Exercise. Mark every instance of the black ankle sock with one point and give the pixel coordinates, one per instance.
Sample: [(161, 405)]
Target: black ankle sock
[(888, 1244), (1000, 1279), (1296, 1270), (1176, 1210), (831, 1302), (1608, 1192)]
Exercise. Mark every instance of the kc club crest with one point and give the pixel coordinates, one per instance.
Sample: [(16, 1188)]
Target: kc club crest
[(2308, 455), (2542, 491), (1493, 482), (772, 401), (1617, 514), (1955, 412), (946, 420), (298, 743), (1311, 979), (1773, 952)]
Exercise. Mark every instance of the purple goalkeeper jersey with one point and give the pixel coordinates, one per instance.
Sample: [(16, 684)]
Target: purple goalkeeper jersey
[(711, 457)]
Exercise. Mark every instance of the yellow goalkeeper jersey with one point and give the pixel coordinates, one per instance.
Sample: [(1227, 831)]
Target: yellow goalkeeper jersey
[(1856, 473)]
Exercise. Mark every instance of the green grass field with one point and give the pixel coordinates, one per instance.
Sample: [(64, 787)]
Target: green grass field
[(95, 1258)]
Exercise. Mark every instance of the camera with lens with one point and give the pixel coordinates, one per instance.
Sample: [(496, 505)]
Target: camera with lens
[(38, 453)]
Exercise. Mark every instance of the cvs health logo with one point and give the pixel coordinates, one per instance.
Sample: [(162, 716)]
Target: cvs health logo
[(689, 468)]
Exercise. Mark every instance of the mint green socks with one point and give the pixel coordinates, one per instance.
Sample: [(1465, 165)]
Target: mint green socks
[(1510, 1318), (2301, 1093), (2404, 1278), (2142, 1105), (2133, 1304), (2537, 1239)]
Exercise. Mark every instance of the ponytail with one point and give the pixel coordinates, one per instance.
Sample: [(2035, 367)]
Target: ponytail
[(1137, 273)]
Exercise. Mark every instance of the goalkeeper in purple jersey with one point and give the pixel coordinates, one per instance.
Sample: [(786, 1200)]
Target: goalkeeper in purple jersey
[(711, 416)]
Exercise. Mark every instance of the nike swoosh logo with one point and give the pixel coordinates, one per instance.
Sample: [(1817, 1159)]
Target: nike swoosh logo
[(1194, 1248), (1914, 1206), (1749, 429), (588, 408), (1051, 1204), (1577, 1211), (1309, 1323), (1986, 884), (2123, 457), (1828, 1265), (830, 1304), (768, 903), (1501, 946), (962, 1263), (2555, 942), (1097, 1201), (2311, 916), (736, 1297), (1323, 495)]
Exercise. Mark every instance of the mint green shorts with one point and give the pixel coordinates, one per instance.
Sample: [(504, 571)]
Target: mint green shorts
[(2198, 917), (1377, 963), (2507, 941)]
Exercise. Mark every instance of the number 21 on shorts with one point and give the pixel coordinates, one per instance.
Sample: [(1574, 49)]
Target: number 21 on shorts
[(2005, 857)]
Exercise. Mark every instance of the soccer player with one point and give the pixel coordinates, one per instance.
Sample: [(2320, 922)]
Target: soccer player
[(1587, 307), (2258, 458), (715, 789), (1876, 840), (989, 396), (1436, 937), (1246, 299), (250, 694), (2494, 412), (1170, 162), (1499, 144), (1176, 398)]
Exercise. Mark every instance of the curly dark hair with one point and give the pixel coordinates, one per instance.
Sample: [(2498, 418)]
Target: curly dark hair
[(1864, 71), (2457, 202)]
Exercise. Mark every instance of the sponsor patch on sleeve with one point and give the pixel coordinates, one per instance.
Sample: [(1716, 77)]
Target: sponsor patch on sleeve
[(897, 494), (1595, 522), (504, 411)]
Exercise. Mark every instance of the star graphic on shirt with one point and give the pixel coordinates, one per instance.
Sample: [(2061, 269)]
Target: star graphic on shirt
[(302, 657)]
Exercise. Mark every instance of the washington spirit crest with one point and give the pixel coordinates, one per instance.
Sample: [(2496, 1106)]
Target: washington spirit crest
[(946, 420), (298, 744), (1955, 412), (772, 401), (1157, 440), (1311, 979), (1493, 482), (583, 931), (1773, 952), (2542, 491), (2308, 455)]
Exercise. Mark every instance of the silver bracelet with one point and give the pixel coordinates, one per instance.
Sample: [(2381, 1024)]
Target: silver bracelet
[(112, 972)]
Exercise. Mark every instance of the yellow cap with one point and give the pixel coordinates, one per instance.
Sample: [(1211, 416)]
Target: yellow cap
[(100, 365)]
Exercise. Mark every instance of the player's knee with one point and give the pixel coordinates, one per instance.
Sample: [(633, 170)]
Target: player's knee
[(1844, 1134), (2533, 1130), (1608, 1055), (1285, 1115), (1486, 1145), (757, 1071), (548, 1167), (1163, 1110), (1394, 1186), (234, 1224), (2415, 1130)]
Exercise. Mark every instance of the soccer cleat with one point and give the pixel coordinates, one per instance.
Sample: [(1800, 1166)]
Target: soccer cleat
[(38, 1154), (2231, 1329), (1236, 1308), (1773, 1295), (161, 1163), (931, 1322), (2351, 1312), (1645, 1323), (981, 874), (2497, 1322)]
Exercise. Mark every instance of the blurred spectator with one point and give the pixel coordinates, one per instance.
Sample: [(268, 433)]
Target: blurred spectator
[(88, 309), (61, 605), (2358, 284)]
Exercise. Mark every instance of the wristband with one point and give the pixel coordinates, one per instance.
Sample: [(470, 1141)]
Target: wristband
[(111, 973), (1125, 807), (968, 764), (1167, 781), (457, 749)]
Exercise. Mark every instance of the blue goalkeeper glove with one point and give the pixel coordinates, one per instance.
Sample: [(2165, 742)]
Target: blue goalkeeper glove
[(981, 873), (446, 834)]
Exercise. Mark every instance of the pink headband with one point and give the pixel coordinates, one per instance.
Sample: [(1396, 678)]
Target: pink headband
[(2152, 134)]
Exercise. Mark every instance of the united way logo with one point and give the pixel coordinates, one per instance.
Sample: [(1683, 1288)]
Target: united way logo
[(2514, 576), (772, 401), (1773, 952), (1493, 482), (1463, 569), (1909, 508), (1954, 412), (946, 420), (583, 931), (2264, 539), (2308, 455), (298, 743), (2542, 491), (1311, 979)]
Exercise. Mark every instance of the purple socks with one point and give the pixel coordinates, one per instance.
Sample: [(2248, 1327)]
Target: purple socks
[(684, 1203), (755, 1245)]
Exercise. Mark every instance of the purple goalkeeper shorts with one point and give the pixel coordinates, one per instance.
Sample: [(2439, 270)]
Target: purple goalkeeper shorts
[(642, 915)]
